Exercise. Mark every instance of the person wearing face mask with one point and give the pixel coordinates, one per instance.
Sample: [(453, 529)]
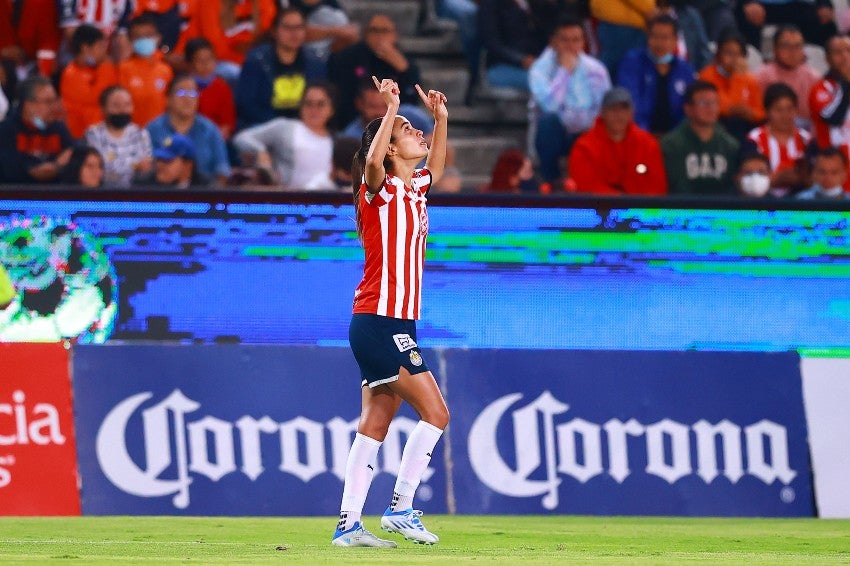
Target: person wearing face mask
[(829, 175), (753, 176), (126, 148), (85, 78), (144, 74), (34, 145), (657, 78)]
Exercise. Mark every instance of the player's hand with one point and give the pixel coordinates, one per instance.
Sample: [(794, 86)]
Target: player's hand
[(389, 91), (435, 102)]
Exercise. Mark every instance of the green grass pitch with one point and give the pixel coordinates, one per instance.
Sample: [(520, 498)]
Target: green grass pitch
[(464, 540)]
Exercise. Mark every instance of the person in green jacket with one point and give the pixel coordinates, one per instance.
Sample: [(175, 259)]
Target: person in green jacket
[(700, 157)]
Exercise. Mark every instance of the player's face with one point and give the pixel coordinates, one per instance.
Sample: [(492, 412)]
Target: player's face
[(782, 115), (409, 142)]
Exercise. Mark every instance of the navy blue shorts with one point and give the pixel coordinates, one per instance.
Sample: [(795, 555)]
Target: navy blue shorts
[(382, 345)]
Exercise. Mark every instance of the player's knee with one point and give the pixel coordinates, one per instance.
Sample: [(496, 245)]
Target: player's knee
[(439, 417)]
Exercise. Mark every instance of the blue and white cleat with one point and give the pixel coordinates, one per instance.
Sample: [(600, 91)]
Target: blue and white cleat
[(357, 535), (407, 524)]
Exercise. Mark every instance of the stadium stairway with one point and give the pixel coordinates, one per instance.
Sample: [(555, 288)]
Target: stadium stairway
[(494, 120)]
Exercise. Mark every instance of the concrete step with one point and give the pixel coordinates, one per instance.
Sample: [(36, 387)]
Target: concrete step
[(405, 13), (505, 113), (476, 156), (438, 46), (451, 82)]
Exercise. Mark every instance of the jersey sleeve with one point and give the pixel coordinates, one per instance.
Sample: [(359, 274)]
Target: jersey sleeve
[(378, 199), (423, 178)]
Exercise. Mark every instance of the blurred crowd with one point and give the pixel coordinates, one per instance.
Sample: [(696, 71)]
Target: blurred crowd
[(635, 97)]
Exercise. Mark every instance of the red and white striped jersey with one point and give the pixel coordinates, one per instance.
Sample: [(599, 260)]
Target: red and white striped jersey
[(394, 225), (106, 15), (780, 155)]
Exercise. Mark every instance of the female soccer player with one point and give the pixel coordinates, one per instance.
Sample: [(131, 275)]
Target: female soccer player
[(392, 222)]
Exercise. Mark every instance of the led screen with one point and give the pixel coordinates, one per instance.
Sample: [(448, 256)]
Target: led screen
[(496, 276)]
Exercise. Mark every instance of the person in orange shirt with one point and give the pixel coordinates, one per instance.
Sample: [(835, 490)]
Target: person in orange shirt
[(234, 27), (85, 78), (144, 74), (741, 107)]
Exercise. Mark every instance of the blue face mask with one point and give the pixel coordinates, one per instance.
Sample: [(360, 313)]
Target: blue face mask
[(665, 59), (39, 123), (145, 46)]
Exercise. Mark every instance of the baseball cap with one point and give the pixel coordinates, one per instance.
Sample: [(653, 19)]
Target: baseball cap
[(175, 146), (617, 95)]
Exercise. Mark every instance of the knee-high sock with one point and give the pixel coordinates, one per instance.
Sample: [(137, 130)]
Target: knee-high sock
[(414, 461), (359, 471)]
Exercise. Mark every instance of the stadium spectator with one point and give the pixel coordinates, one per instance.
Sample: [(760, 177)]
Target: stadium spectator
[(567, 88), (144, 74), (753, 177), (789, 66), (512, 37), (781, 140), (700, 157), (692, 40), (829, 176), (234, 27), (616, 157), (84, 168), (740, 95), (125, 147), (29, 33), (216, 99), (34, 145), (656, 78), (513, 172), (343, 155), (328, 27), (85, 78), (170, 20), (174, 165), (275, 73), (816, 18), (299, 150), (112, 17), (829, 100), (620, 29), (181, 117), (377, 54), (465, 13)]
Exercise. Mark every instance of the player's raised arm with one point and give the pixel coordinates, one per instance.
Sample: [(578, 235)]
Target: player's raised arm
[(374, 170), (435, 102)]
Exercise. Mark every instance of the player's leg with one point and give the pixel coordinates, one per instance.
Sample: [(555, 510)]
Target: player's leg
[(423, 394), (379, 406)]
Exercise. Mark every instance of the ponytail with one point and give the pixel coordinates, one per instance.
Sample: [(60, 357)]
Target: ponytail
[(358, 167)]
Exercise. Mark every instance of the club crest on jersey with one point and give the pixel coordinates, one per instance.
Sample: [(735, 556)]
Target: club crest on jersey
[(415, 358), (404, 342)]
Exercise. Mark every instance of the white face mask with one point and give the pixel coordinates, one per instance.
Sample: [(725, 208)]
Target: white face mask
[(755, 184), (832, 192)]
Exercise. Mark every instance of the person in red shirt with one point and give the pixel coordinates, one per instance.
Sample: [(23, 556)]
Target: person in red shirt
[(144, 74), (85, 78), (616, 157), (216, 99), (830, 99), (739, 91), (29, 31)]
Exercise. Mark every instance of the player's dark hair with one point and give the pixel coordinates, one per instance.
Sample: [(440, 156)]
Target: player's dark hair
[(358, 166)]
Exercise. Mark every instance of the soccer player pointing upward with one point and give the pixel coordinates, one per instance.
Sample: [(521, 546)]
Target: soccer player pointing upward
[(392, 222)]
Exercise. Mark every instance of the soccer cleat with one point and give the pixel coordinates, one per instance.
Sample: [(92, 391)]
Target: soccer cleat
[(357, 535), (407, 524)]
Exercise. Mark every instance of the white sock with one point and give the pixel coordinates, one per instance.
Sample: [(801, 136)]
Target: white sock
[(414, 461), (359, 471)]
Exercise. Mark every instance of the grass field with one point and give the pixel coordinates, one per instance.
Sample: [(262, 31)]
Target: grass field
[(464, 539)]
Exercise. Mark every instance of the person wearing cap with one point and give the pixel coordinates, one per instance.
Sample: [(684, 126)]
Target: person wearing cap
[(174, 165), (616, 157), (566, 88)]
